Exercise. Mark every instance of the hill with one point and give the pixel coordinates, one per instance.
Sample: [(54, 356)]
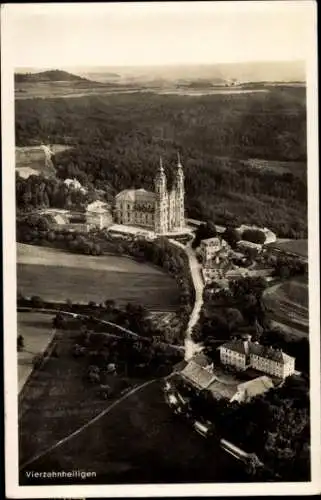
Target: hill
[(55, 75), (120, 137)]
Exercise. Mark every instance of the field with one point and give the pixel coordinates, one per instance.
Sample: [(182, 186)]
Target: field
[(37, 330), (82, 278), (30, 160), (298, 247), (140, 441), (288, 304), (56, 400), (45, 90)]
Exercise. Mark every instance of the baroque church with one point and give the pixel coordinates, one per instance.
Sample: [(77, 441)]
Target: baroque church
[(161, 210)]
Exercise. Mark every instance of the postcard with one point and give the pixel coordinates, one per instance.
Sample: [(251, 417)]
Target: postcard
[(161, 249)]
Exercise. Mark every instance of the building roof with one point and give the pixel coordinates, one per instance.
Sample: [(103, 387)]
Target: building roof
[(73, 182), (232, 390), (210, 241), (222, 390), (198, 375), (98, 206), (140, 195), (268, 352), (248, 244), (294, 247), (237, 345), (251, 388), (59, 219), (262, 351), (201, 359)]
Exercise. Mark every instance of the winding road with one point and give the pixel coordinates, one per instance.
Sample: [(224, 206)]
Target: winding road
[(192, 347)]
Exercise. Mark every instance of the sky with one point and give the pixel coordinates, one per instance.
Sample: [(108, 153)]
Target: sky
[(121, 34)]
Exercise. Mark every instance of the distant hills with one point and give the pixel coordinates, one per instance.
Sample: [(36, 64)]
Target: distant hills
[(198, 75), (280, 71), (55, 75)]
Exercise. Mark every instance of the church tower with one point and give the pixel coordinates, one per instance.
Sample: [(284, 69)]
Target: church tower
[(180, 193), (161, 202)]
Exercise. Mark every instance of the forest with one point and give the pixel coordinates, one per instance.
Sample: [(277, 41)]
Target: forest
[(117, 141)]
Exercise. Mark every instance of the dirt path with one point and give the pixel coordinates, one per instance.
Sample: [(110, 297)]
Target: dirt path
[(83, 427), (190, 346)]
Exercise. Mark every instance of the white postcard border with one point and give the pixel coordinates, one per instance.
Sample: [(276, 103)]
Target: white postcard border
[(13, 489)]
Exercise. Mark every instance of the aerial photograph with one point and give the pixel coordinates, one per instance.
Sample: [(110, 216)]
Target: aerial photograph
[(162, 247)]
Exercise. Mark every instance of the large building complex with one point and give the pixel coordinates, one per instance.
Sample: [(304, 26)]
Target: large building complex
[(161, 210), (200, 374), (243, 354)]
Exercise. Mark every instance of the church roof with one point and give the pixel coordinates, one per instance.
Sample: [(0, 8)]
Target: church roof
[(140, 195)]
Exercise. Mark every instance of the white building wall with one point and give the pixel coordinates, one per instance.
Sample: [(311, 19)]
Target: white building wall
[(232, 358)]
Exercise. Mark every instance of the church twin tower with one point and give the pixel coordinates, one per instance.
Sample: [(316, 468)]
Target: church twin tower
[(169, 205)]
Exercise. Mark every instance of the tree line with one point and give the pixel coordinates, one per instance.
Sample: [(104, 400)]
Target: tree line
[(118, 140)]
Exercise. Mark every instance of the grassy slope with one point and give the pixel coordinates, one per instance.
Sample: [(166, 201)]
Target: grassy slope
[(82, 278)]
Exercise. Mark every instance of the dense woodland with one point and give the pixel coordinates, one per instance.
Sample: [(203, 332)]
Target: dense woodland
[(117, 141)]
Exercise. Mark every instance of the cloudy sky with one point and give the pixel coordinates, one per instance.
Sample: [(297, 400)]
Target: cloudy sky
[(163, 33)]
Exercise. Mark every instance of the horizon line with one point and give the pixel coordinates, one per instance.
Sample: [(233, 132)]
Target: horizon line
[(170, 64)]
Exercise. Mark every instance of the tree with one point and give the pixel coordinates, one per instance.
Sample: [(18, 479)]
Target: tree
[(105, 391), (203, 232), (254, 236), (234, 318), (20, 343), (37, 360), (36, 302), (231, 236), (69, 304), (110, 305), (58, 321), (253, 465)]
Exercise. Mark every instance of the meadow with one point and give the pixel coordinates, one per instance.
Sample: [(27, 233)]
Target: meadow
[(56, 275), (288, 304), (36, 328), (142, 442)]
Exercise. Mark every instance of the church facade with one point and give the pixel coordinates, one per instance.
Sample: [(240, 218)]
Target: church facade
[(161, 210)]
